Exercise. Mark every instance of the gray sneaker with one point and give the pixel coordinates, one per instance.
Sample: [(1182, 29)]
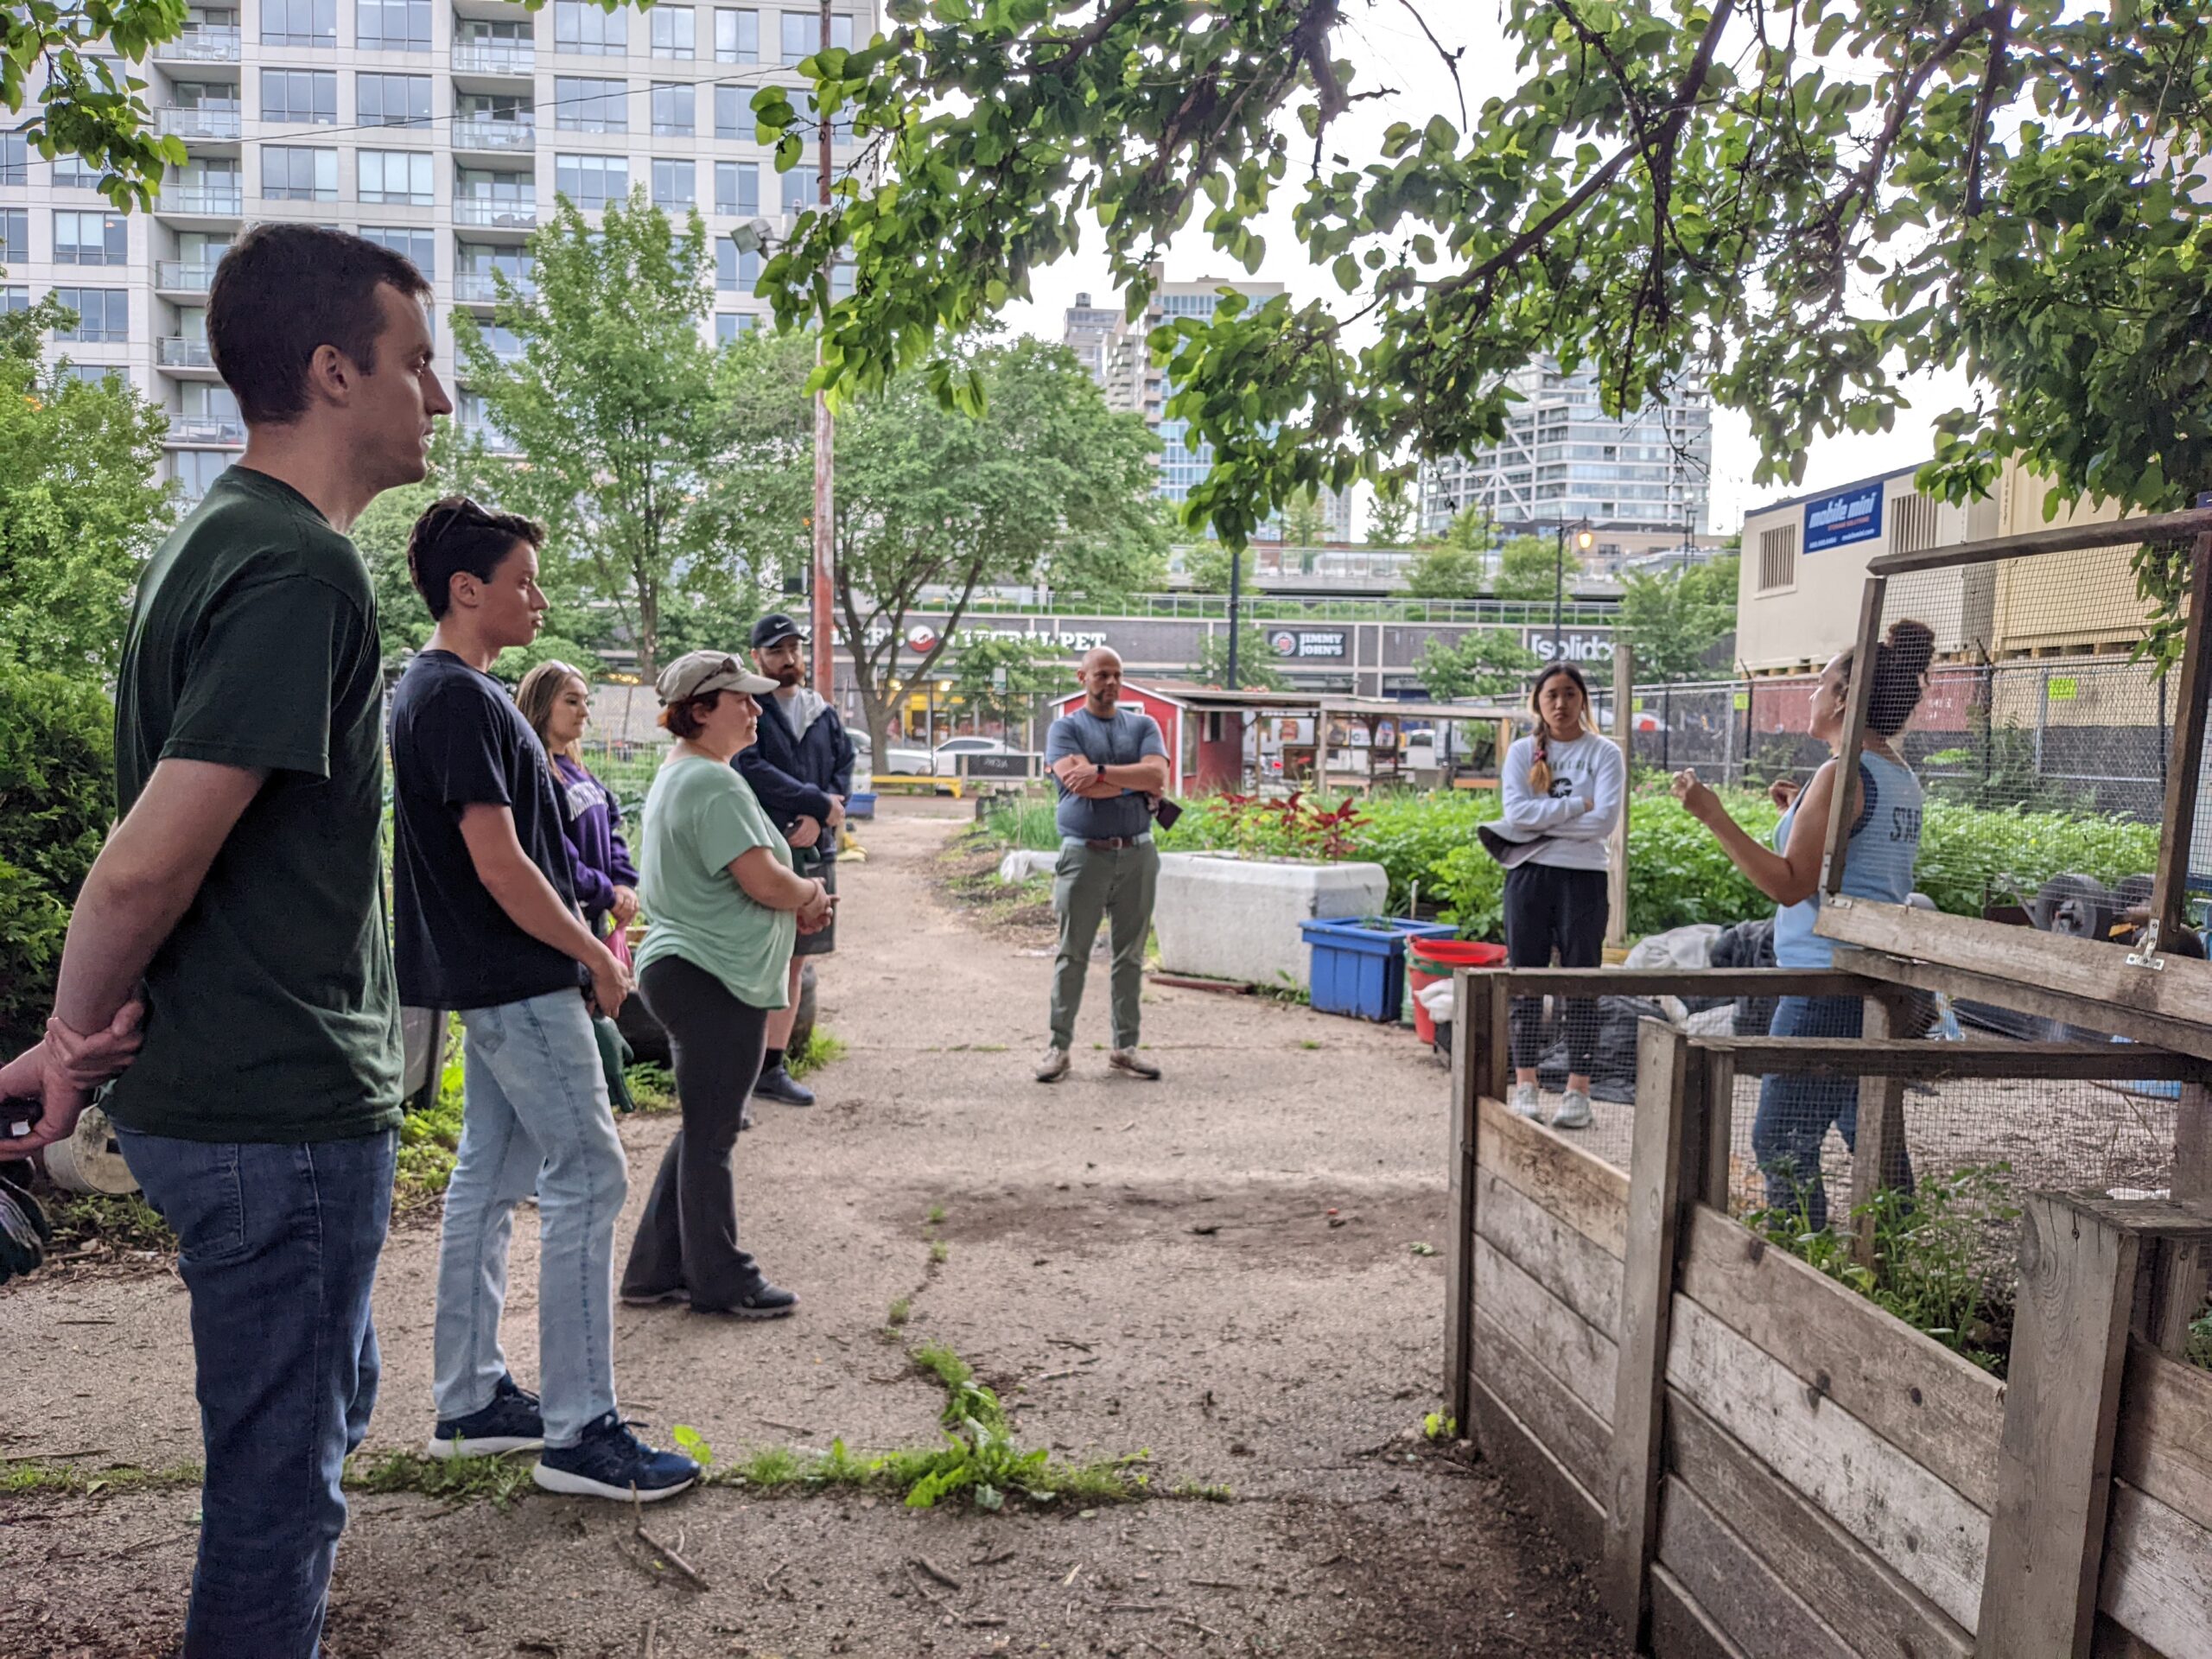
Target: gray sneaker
[(1130, 1063), (1524, 1102), (1054, 1066), (1573, 1111)]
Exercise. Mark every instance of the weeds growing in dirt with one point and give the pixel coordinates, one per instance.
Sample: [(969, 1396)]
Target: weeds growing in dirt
[(823, 1047), (69, 1479), (653, 1087), (901, 1310), (937, 1215), (940, 1252), (1931, 1256), (498, 1480), (84, 1219)]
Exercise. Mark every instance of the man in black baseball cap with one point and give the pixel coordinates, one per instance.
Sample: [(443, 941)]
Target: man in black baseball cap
[(801, 770)]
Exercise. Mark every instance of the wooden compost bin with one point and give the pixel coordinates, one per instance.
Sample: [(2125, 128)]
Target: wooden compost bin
[(1760, 1462)]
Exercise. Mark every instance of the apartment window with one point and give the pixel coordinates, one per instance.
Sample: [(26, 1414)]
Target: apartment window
[(396, 176), (480, 29), (1778, 559), (841, 124), (675, 109), (591, 181), (591, 106), (299, 22), (89, 240), (198, 468), (420, 247), (579, 26), (737, 36), (503, 342), (737, 188), (16, 235), (801, 185), (392, 25), (295, 172), (674, 32), (92, 374), (14, 158), (207, 95), (14, 299), (840, 281), (674, 184), (801, 30), (735, 272), (494, 106), (103, 314), (70, 172), (479, 261), (206, 402), (392, 100), (304, 97), (478, 185), (731, 325), (734, 113)]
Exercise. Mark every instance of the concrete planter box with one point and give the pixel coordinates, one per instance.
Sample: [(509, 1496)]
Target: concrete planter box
[(1224, 917)]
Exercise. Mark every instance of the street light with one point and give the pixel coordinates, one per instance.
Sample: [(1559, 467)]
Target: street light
[(1582, 540)]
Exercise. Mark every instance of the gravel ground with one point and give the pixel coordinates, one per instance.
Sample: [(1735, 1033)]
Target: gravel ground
[(1219, 1271)]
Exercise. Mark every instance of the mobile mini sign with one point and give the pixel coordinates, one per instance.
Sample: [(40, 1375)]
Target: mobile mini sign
[(1848, 516)]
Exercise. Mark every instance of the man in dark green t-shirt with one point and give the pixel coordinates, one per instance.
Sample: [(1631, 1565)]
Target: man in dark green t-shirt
[(244, 886)]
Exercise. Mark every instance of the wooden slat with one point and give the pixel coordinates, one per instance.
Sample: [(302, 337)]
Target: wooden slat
[(2180, 1269), (1579, 1356), (2157, 1575), (1936, 1409), (1681, 1628), (1859, 698), (1854, 1592), (1677, 982), (2088, 969), (1922, 1527), (2184, 1034), (2061, 1402), (2112, 1642), (1564, 1262), (1469, 1039), (1911, 1058), (1877, 1155), (1737, 1590), (2178, 824), (1669, 1093), (1534, 1473), (2064, 538), (2164, 1446), (1581, 1189), (1570, 1431), (1616, 843)]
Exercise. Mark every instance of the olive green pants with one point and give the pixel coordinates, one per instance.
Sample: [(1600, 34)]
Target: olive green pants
[(1091, 884)]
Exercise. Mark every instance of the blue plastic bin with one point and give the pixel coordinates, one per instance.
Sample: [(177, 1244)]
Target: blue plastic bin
[(1358, 963), (861, 805)]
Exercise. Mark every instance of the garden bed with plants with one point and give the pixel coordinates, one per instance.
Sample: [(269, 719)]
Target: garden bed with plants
[(1677, 873)]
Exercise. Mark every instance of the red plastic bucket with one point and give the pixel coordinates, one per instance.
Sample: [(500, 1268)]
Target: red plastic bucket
[(1428, 960)]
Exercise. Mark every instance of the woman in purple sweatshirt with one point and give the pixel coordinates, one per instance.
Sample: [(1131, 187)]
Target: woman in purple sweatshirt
[(556, 701)]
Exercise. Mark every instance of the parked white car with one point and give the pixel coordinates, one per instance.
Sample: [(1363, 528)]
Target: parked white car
[(943, 761)]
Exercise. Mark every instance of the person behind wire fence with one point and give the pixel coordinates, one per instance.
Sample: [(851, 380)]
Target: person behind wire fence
[(1561, 788), (1795, 1111), (555, 699)]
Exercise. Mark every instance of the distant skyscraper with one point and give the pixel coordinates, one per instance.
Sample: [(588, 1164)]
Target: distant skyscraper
[(1563, 461), (441, 130), (1090, 334)]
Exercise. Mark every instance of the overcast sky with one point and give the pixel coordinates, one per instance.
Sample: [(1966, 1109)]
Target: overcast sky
[(1387, 46)]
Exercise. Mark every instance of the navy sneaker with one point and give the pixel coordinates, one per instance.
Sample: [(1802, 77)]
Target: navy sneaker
[(509, 1423), (762, 1301), (610, 1462), (778, 1084)]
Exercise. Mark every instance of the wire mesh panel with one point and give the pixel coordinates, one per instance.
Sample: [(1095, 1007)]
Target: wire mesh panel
[(625, 742), (1700, 725)]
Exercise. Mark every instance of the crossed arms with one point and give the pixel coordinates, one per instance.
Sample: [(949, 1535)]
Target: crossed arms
[(1094, 783)]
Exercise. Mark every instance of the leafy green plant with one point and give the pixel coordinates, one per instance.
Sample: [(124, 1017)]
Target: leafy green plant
[(1933, 1261), (653, 1087), (691, 1442), (500, 1481), (1437, 1426), (823, 1047), (429, 1138)]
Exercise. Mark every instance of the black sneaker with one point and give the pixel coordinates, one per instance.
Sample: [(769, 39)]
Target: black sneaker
[(509, 1423), (762, 1301), (610, 1462), (776, 1083), (655, 1298)]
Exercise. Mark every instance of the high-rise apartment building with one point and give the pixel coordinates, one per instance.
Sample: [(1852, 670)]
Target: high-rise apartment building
[(441, 128), (1090, 334), (1564, 461)]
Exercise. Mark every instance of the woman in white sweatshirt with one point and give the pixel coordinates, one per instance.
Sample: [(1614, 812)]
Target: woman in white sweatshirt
[(1561, 788)]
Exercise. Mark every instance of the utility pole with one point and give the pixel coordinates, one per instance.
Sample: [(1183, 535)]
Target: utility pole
[(825, 442), (1558, 587), (1236, 565)]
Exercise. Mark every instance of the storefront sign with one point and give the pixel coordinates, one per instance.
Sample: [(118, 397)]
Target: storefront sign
[(1576, 645), (1305, 643), (1849, 516)]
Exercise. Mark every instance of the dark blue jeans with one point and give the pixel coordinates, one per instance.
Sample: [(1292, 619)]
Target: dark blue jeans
[(278, 1245), (1795, 1111)]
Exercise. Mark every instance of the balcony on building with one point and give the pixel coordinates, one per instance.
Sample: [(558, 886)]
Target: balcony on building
[(507, 59), (207, 123), (200, 43), (205, 428), (181, 354), (478, 288), (203, 202), (495, 442), (495, 212), (183, 275), (500, 137)]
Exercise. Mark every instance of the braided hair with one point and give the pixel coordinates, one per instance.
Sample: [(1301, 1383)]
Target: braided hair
[(1540, 773)]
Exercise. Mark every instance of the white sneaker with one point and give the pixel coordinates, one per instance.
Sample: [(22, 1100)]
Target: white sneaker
[(1573, 1111), (1521, 1097), (1054, 1066)]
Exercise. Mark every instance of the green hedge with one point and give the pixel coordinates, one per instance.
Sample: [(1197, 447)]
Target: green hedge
[(57, 797), (1677, 872)]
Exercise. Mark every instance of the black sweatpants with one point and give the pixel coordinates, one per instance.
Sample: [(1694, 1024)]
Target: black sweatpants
[(687, 1236), (1549, 910)]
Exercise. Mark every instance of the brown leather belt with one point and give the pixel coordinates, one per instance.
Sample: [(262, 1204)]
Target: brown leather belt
[(1113, 843)]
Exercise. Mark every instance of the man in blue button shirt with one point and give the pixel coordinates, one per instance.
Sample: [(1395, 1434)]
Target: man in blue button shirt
[(1111, 768)]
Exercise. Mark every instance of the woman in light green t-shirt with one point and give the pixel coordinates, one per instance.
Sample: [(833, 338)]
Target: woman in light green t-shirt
[(725, 909)]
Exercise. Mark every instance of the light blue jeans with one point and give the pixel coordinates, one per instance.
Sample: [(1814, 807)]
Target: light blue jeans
[(536, 1120)]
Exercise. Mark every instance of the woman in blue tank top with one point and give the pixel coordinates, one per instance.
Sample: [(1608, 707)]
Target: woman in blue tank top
[(1795, 1112)]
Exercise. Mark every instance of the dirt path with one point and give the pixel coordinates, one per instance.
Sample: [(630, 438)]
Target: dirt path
[(1135, 1268)]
